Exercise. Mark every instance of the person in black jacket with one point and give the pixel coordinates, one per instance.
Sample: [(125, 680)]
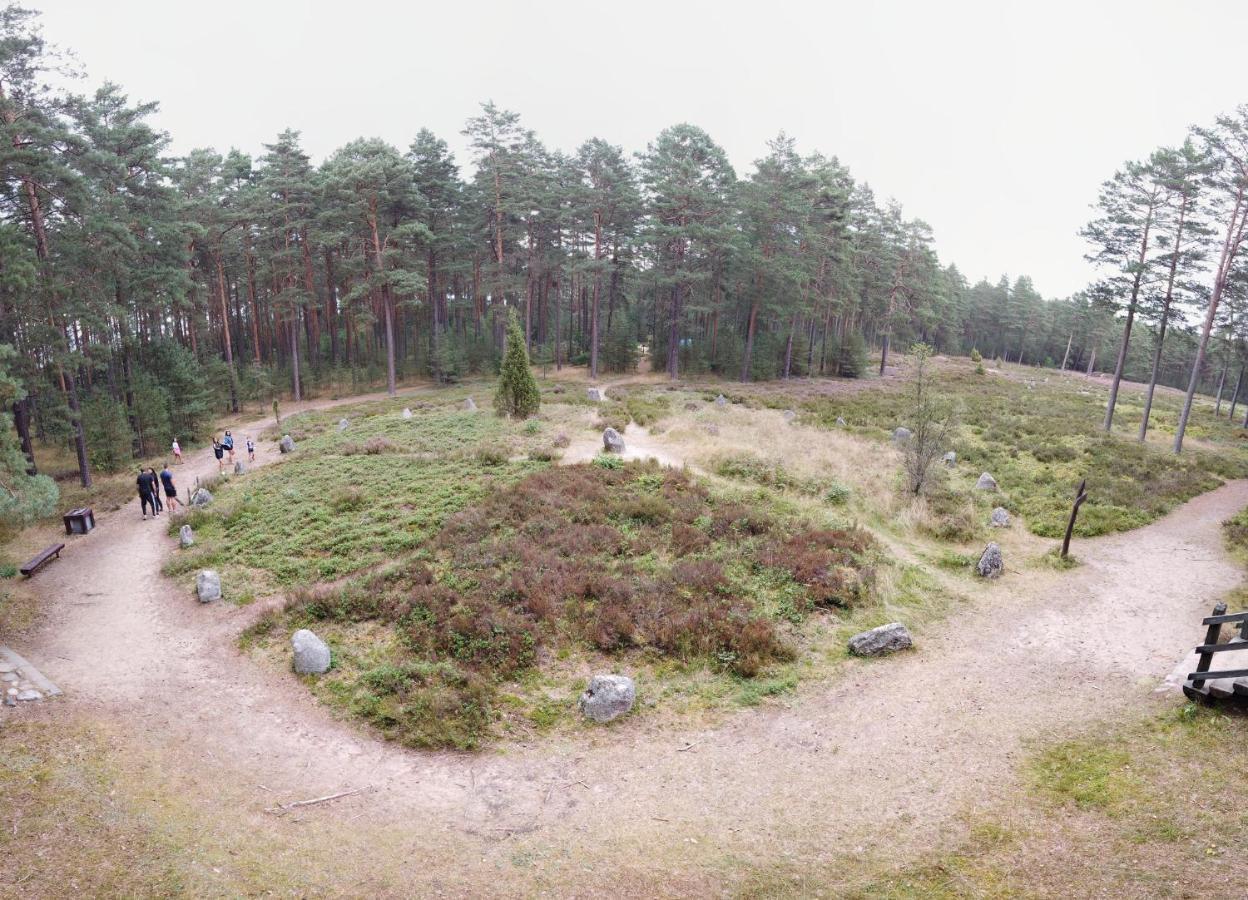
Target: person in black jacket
[(147, 492)]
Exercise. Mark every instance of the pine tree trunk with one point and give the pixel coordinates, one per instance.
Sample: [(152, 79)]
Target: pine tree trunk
[(1217, 407), (1066, 355), (1230, 416)]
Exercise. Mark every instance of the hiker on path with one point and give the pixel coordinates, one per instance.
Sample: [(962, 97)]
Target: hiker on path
[(177, 452), (160, 506), (171, 492), (251, 450), (218, 450), (228, 443), (147, 489)]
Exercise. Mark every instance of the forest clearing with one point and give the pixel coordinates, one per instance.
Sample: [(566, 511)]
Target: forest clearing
[(404, 496)]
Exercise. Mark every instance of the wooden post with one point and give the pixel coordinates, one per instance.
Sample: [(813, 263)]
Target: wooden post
[(1211, 637), (1080, 496)]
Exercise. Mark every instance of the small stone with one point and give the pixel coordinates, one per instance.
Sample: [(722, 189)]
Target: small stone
[(1000, 518), (711, 428), (239, 468), (29, 694), (343, 424), (692, 407), (721, 400), (902, 435), (186, 537), (407, 413), (595, 394), (201, 497), (608, 697), (840, 420), (881, 641), (789, 415), (470, 405), (612, 442), (950, 459), (311, 653), (208, 586), (986, 483), (287, 444), (991, 564)]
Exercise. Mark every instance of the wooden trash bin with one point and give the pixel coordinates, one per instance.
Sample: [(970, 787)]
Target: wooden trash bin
[(79, 521)]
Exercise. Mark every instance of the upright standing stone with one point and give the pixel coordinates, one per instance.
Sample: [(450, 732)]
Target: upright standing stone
[(239, 467), (343, 424), (991, 564), (881, 641), (201, 497), (950, 459), (902, 435), (595, 394), (986, 483), (721, 400), (208, 586), (612, 442), (469, 404), (311, 653), (840, 420), (407, 413), (608, 697), (186, 537), (1000, 518), (287, 444)]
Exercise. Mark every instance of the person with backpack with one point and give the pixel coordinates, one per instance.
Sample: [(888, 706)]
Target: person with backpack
[(147, 489), (171, 492), (228, 443)]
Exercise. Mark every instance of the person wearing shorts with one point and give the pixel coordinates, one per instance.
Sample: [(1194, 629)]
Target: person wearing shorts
[(160, 506), (251, 450), (171, 492), (228, 443), (177, 452), (218, 450)]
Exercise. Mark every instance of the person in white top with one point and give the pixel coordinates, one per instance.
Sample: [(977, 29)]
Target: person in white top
[(177, 451)]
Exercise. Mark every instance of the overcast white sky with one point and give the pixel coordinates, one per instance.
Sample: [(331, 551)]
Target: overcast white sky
[(993, 121)]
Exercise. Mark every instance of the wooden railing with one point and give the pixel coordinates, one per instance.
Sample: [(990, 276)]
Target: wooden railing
[(1211, 646)]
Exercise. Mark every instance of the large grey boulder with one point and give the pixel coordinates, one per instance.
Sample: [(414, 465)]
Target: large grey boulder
[(286, 444), (608, 697), (201, 497), (407, 413), (208, 586), (721, 400), (986, 483), (311, 653), (881, 641), (470, 405), (902, 435), (595, 394), (612, 442), (990, 564), (950, 459), (343, 424), (1000, 518), (186, 537)]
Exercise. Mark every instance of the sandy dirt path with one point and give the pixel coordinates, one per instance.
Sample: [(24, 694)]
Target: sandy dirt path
[(892, 750)]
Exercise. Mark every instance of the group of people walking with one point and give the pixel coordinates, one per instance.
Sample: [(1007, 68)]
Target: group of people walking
[(152, 484)]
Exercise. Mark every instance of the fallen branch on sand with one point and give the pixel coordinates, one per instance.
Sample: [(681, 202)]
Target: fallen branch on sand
[(287, 807)]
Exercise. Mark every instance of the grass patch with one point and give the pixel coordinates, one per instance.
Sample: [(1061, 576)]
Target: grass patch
[(1039, 439), (634, 563)]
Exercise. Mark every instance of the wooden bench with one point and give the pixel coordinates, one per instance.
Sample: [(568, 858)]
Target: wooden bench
[(34, 565)]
